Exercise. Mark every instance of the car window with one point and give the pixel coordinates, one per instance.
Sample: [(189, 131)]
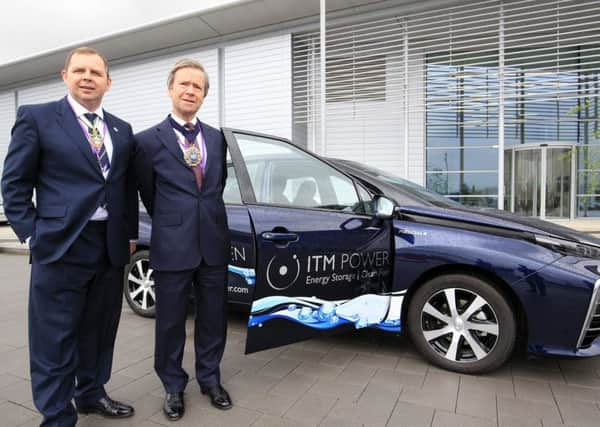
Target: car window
[(406, 192), (284, 175), (366, 200), (231, 193)]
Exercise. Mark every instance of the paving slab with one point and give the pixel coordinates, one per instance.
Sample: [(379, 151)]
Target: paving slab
[(449, 419), (480, 404), (411, 415)]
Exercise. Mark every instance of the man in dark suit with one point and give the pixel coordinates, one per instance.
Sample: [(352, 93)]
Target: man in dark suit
[(181, 169), (76, 157)]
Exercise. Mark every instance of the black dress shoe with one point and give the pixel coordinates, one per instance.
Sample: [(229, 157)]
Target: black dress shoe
[(218, 397), (107, 407), (174, 406)]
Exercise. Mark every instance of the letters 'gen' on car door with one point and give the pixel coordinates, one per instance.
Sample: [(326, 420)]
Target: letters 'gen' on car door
[(323, 261)]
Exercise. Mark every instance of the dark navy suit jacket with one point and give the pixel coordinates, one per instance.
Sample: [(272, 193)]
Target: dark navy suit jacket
[(188, 225), (49, 152)]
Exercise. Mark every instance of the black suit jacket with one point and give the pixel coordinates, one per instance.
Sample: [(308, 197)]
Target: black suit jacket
[(188, 225), (49, 153)]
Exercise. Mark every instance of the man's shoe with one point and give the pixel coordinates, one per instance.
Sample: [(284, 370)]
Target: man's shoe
[(218, 397), (107, 407), (174, 406)]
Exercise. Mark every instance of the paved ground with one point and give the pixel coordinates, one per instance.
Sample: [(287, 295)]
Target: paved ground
[(358, 379)]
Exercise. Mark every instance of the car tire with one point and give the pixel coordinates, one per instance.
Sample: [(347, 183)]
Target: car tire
[(139, 285), (462, 323)]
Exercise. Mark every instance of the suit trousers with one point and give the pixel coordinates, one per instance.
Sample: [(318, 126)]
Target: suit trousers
[(210, 328), (74, 310)]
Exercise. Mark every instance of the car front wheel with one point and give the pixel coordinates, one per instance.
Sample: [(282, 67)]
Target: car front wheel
[(139, 285), (462, 323)]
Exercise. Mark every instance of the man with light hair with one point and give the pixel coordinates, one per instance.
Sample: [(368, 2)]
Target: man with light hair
[(181, 164)]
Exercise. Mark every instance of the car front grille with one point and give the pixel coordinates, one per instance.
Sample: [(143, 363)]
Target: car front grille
[(591, 326)]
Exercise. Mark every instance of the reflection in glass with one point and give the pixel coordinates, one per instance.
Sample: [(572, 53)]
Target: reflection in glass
[(507, 179), (468, 183), (558, 182), (468, 159), (550, 95), (527, 182), (462, 127), (588, 205)]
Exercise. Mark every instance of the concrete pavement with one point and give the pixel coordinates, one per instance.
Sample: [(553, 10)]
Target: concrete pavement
[(9, 243)]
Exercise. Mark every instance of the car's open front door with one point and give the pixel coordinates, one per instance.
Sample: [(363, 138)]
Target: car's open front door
[(323, 263)]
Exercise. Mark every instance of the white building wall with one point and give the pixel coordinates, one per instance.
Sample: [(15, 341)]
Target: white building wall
[(7, 116), (258, 85), (42, 92), (139, 90), (370, 132), (7, 119)]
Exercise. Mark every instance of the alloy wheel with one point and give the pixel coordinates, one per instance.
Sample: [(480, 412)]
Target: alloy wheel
[(459, 325), (140, 285)]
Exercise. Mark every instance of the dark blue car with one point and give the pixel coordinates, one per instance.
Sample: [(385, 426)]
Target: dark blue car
[(320, 246)]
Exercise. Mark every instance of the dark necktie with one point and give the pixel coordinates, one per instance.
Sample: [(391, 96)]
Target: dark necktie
[(190, 135), (99, 149)]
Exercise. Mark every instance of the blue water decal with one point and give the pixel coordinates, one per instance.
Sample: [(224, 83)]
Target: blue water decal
[(247, 273), (363, 311), (389, 326)]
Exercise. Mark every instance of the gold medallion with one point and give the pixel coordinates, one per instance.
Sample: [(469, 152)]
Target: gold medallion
[(192, 156), (96, 138)]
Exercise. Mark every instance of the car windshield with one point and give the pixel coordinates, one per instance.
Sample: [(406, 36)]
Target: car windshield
[(415, 190)]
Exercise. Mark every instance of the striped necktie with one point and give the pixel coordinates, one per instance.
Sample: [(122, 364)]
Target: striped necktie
[(97, 141)]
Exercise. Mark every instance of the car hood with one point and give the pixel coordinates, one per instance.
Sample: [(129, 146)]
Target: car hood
[(496, 218)]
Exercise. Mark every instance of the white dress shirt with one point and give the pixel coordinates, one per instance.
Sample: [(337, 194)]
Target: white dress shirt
[(101, 213)]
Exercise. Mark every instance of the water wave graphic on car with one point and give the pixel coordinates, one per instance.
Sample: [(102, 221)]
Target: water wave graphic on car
[(248, 274), (371, 310)]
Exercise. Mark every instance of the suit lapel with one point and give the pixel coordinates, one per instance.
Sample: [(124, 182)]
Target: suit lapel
[(167, 136), (210, 148), (68, 121), (117, 143)]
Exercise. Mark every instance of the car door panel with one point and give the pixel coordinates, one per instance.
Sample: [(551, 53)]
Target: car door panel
[(241, 269), (322, 264), (334, 275)]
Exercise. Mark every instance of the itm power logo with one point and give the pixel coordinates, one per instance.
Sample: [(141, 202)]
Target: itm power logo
[(283, 271)]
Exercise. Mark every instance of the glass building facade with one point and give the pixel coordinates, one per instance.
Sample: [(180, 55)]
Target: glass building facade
[(489, 103)]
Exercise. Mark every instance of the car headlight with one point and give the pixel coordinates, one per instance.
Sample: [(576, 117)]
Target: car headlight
[(568, 247)]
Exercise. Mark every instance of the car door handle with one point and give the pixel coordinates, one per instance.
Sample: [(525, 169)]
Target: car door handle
[(280, 237)]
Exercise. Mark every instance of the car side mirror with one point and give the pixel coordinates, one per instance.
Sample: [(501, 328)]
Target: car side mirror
[(384, 207)]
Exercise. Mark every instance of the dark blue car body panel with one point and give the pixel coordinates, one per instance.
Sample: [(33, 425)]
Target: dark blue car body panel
[(553, 291)]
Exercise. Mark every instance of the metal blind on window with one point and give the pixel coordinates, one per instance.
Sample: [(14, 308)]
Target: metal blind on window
[(364, 95), (448, 87), (552, 58), (455, 53), (139, 89), (257, 85), (42, 92)]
